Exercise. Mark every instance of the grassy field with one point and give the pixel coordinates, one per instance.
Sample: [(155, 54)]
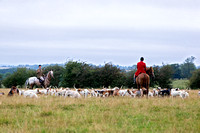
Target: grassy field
[(182, 84), (114, 114)]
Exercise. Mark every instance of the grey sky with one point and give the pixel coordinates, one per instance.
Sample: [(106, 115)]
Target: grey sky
[(120, 31)]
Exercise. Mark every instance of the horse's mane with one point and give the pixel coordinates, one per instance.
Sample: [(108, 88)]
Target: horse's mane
[(149, 70), (48, 77), (49, 73)]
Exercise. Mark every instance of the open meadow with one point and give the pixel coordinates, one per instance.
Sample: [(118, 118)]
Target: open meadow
[(112, 114), (181, 83)]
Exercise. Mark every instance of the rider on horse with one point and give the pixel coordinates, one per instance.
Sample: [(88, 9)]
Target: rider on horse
[(141, 68), (40, 75)]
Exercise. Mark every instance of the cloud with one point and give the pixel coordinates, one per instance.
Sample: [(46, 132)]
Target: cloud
[(94, 14), (45, 31)]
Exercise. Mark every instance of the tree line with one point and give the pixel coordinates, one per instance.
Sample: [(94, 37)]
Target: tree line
[(84, 75)]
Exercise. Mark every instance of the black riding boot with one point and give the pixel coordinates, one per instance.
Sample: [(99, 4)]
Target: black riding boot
[(42, 84), (134, 80)]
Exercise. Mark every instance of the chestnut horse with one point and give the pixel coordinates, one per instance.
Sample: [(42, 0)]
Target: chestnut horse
[(143, 80)]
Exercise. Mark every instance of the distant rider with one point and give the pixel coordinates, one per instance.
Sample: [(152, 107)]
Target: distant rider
[(40, 75), (141, 68)]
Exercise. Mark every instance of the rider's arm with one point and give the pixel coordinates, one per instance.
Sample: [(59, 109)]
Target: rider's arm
[(38, 71)]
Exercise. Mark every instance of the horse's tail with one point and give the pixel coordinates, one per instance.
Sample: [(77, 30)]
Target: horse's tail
[(144, 81), (27, 83), (147, 80)]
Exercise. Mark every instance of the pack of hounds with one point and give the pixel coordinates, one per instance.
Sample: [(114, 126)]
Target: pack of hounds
[(105, 92)]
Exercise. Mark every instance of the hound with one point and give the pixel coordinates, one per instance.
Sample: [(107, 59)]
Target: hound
[(30, 94), (93, 93), (165, 92), (84, 92), (73, 94), (122, 92), (155, 92)]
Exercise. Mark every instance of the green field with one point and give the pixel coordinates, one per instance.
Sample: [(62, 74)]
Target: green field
[(182, 84), (113, 114)]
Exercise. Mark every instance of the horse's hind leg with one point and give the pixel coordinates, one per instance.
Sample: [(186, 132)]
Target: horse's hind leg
[(147, 90), (31, 87), (147, 85)]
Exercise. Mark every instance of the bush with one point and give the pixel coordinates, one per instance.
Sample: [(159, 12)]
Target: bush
[(18, 77), (195, 79), (76, 73), (110, 75), (1, 77), (163, 76), (129, 79), (83, 75), (188, 67)]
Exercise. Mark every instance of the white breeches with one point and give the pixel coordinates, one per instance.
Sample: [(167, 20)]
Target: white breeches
[(42, 78)]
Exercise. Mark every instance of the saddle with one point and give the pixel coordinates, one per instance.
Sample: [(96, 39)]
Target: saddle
[(41, 81)]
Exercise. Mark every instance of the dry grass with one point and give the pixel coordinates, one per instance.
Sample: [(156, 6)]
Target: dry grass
[(118, 114)]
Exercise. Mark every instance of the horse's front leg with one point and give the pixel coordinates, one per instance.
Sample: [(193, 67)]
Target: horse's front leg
[(140, 93), (138, 87)]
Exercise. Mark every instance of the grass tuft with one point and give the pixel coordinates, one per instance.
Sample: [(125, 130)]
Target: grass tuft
[(44, 114), (4, 121), (72, 107)]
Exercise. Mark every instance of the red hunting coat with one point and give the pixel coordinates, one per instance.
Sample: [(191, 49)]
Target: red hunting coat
[(141, 68)]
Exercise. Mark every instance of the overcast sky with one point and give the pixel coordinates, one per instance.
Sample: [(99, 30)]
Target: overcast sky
[(98, 31)]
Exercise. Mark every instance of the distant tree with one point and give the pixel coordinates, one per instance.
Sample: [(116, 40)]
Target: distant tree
[(110, 75), (163, 78), (1, 78), (188, 67), (9, 70), (9, 81), (76, 73), (129, 79), (57, 72), (176, 68), (18, 77), (195, 79), (84, 75), (155, 81), (6, 75), (30, 72)]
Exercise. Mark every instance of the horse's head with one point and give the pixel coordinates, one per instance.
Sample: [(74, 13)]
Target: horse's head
[(51, 73), (150, 72)]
